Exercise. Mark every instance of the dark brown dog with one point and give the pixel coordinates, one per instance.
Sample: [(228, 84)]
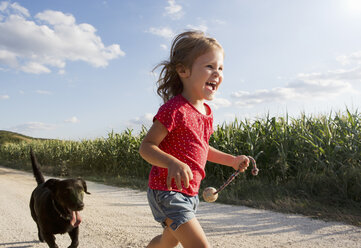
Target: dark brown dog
[(54, 206)]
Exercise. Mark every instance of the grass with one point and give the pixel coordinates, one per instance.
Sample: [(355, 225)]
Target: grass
[(11, 137), (310, 165)]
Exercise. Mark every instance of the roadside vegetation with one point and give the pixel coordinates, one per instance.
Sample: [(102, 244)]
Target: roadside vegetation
[(309, 165)]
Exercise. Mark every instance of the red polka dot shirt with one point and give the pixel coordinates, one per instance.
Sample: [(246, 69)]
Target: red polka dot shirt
[(187, 140)]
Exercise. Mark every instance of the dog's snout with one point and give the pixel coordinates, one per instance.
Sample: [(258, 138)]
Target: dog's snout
[(81, 206)]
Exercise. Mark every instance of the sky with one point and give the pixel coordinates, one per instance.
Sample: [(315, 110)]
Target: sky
[(81, 69)]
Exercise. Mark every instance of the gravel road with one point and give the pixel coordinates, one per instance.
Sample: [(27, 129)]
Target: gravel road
[(120, 217)]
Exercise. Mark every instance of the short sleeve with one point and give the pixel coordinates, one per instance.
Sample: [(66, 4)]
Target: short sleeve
[(169, 115)]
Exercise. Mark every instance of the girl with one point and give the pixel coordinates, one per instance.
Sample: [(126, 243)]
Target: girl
[(177, 143)]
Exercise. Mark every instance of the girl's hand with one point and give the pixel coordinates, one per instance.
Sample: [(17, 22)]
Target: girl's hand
[(241, 162), (180, 172)]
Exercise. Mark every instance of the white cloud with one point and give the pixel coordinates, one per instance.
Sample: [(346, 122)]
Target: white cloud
[(164, 47), (354, 58), (33, 126), (3, 5), (353, 74), (164, 32), (49, 39), (55, 18), (316, 85), (35, 68), (8, 58), (20, 9), (73, 119), (217, 103), (13, 7), (4, 97), (174, 10), (145, 120), (305, 87), (201, 27), (318, 88)]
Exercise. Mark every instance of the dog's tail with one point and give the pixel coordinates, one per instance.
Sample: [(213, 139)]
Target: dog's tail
[(37, 173)]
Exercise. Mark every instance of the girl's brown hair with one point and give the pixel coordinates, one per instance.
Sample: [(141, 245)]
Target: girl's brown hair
[(186, 47)]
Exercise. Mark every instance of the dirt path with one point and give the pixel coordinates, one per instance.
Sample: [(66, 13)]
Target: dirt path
[(118, 217)]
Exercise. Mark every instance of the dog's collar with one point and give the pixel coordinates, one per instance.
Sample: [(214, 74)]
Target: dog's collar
[(65, 217)]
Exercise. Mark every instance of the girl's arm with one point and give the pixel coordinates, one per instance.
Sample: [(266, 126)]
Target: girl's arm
[(149, 150), (219, 157)]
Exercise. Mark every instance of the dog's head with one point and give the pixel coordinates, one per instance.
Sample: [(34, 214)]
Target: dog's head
[(68, 193)]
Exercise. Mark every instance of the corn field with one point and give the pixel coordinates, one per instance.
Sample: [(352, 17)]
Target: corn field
[(312, 157)]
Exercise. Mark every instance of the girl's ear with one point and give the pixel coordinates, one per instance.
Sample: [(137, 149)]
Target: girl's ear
[(182, 71)]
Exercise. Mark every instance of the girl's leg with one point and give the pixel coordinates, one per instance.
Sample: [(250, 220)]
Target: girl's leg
[(190, 234), (166, 240)]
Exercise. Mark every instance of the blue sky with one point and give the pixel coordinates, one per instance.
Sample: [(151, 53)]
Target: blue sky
[(80, 69)]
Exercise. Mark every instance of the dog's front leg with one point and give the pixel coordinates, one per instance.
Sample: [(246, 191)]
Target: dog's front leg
[(49, 239), (74, 237), (39, 233)]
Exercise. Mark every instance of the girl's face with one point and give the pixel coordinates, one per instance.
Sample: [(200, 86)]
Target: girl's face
[(202, 81)]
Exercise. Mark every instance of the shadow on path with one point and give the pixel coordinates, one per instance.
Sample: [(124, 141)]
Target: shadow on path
[(20, 244)]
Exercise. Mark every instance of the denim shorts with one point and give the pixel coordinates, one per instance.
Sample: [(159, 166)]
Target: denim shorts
[(178, 207)]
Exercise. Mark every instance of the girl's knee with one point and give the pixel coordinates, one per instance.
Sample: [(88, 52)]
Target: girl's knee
[(170, 241), (168, 238), (162, 241), (173, 243)]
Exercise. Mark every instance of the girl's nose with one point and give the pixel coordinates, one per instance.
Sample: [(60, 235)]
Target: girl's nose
[(216, 73)]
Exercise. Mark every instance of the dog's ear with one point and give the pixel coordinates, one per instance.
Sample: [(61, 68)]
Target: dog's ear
[(51, 184), (84, 185)]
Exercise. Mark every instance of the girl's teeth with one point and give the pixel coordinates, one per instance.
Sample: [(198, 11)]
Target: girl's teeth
[(213, 85)]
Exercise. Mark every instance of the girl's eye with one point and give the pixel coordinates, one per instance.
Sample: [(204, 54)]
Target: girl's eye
[(220, 68), (210, 66)]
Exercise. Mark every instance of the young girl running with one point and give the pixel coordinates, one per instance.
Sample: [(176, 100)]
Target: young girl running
[(177, 143)]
